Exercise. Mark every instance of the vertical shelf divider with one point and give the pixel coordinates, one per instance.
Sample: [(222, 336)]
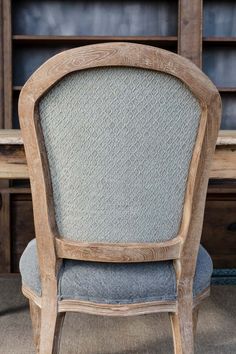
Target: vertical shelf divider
[(190, 30)]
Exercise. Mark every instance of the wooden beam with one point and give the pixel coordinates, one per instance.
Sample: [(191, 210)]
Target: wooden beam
[(226, 138), (13, 162), (10, 137), (224, 163), (190, 30)]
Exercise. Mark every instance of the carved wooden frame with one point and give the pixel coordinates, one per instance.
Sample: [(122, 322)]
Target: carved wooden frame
[(182, 249)]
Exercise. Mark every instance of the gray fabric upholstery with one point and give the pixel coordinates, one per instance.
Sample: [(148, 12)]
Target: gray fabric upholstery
[(119, 144), (115, 283)]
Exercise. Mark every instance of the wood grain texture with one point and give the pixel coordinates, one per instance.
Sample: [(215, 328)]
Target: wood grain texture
[(190, 30), (226, 137), (113, 253), (115, 309), (82, 40), (10, 137), (51, 249), (113, 54), (195, 320), (224, 162), (35, 314), (13, 162), (182, 328)]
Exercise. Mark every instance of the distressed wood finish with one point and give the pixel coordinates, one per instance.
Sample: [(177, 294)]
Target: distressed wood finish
[(13, 162), (120, 252), (51, 249), (190, 30), (35, 314), (226, 137), (195, 320), (189, 33), (224, 162), (10, 137), (113, 54), (93, 308)]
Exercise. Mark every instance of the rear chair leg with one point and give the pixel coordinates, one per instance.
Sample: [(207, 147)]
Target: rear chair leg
[(195, 320), (183, 330), (35, 313), (47, 327)]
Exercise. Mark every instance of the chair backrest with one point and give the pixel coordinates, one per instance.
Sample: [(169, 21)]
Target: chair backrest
[(114, 136), (119, 143)]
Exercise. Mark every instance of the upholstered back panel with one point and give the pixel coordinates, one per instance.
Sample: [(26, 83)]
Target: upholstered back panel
[(119, 144)]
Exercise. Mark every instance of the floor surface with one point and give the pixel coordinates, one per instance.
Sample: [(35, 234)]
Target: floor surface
[(149, 334)]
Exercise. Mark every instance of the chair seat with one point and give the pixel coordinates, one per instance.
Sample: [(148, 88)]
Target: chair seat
[(114, 283)]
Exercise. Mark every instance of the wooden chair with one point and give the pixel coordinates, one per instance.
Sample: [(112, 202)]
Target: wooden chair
[(119, 139)]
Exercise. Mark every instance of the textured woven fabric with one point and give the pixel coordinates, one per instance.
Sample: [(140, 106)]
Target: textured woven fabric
[(119, 144), (115, 283)]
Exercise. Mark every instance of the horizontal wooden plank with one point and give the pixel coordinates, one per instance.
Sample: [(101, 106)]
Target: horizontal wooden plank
[(17, 88), (15, 190), (91, 39), (221, 39), (13, 136), (10, 137), (224, 163), (12, 160), (226, 137), (13, 163), (227, 89)]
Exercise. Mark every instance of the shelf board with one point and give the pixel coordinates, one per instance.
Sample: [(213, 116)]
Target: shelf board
[(15, 166), (17, 88), (227, 89), (226, 137), (219, 40), (94, 39), (15, 190), (13, 136), (10, 137)]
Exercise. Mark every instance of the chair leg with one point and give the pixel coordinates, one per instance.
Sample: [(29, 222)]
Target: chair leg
[(195, 319), (35, 313), (182, 329), (47, 325), (50, 334)]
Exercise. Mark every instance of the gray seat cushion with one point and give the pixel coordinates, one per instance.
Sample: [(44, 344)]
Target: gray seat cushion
[(114, 283)]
